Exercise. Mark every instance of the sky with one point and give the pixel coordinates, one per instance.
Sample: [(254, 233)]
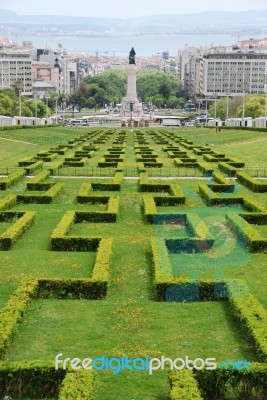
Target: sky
[(127, 8)]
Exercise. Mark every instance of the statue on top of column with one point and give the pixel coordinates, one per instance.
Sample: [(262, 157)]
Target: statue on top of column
[(132, 56)]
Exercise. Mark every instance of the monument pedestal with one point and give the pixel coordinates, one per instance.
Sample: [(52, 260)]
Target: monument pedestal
[(131, 108)]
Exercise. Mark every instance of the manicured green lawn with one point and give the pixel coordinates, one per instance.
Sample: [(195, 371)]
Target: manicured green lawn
[(130, 320)]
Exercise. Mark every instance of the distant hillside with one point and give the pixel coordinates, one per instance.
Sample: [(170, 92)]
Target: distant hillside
[(206, 22)]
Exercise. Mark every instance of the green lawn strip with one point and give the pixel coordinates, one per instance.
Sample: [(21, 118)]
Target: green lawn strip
[(129, 265), (32, 257), (6, 289), (153, 329), (128, 321)]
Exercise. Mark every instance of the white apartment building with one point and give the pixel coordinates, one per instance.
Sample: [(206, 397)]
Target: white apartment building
[(231, 73), (16, 70), (64, 75), (187, 65)]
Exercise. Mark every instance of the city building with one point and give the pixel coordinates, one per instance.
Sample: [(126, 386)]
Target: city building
[(16, 71), (64, 74), (231, 72), (188, 56)]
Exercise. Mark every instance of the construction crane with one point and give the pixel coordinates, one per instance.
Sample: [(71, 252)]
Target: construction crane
[(104, 52), (97, 58), (100, 52)]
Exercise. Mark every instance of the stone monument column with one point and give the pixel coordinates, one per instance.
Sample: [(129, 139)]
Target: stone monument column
[(131, 84), (131, 108)]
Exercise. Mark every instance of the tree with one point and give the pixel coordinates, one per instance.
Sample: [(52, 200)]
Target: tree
[(77, 99), (221, 107), (173, 101), (113, 84), (158, 100), (254, 106), (6, 105), (150, 84)]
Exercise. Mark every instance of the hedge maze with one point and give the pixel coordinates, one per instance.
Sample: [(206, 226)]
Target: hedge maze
[(130, 261)]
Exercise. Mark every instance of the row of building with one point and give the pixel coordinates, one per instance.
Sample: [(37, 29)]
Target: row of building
[(204, 72), (35, 76), (224, 71)]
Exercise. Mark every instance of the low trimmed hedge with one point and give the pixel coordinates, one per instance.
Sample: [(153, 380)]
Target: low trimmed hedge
[(255, 242), (45, 198), (12, 234), (198, 228), (59, 149), (252, 316), (37, 183), (227, 168), (184, 386), (147, 186), (246, 384), (150, 209), (37, 380), (76, 162), (250, 204), (33, 167), (8, 202), (26, 161), (163, 276), (251, 183), (102, 163), (112, 187), (11, 179), (60, 240), (12, 313), (205, 168), (86, 289), (212, 199), (77, 385)]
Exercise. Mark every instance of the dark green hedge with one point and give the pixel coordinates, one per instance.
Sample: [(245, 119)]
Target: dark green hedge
[(36, 380)]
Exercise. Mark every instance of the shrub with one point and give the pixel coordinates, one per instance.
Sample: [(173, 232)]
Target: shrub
[(251, 183), (150, 209), (33, 167), (245, 384), (255, 242), (227, 168), (184, 386), (77, 385), (13, 312), (8, 202), (24, 162), (12, 234), (45, 198), (11, 179), (37, 380), (253, 318), (36, 183)]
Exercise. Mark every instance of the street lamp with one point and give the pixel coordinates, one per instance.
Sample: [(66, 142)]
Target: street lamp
[(20, 103), (265, 88), (215, 106), (243, 108), (227, 103), (46, 98), (56, 110), (36, 98)]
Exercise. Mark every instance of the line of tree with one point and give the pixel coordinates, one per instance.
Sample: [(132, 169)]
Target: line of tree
[(153, 87), (10, 105), (253, 106)]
